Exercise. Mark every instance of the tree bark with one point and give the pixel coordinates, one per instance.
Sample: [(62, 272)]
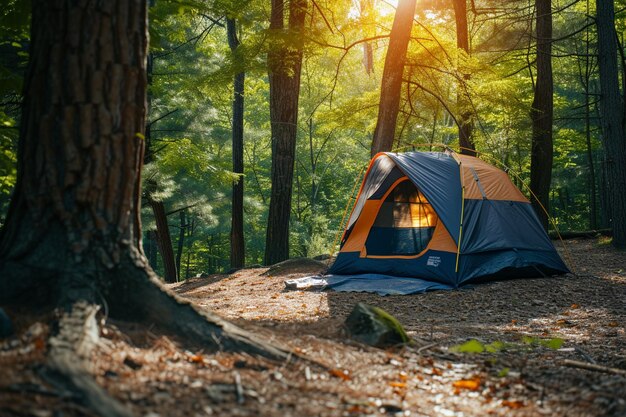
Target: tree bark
[(612, 119), (81, 142), (466, 125), (284, 64), (542, 114), (390, 90), (237, 244)]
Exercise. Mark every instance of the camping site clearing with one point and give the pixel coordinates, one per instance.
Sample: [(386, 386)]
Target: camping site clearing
[(530, 347)]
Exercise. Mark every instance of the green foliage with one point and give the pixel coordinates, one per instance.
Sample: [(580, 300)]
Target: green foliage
[(554, 343), (191, 98), (8, 160), (473, 346)]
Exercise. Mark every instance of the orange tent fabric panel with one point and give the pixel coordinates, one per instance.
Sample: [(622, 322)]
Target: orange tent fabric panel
[(495, 183)]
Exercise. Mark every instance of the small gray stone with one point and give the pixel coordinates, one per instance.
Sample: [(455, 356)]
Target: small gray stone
[(375, 327)]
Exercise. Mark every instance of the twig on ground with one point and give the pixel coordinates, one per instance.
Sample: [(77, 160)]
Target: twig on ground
[(423, 348), (239, 389), (592, 367)]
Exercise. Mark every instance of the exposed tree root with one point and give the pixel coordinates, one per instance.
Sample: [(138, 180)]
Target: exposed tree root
[(133, 292), (68, 360), (144, 297)]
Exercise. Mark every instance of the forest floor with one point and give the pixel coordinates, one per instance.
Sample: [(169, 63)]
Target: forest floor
[(533, 333)]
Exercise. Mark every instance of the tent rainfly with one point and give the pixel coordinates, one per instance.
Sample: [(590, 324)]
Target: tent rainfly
[(443, 220)]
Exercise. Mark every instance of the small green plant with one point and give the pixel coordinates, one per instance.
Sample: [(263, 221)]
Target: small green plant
[(474, 346), (554, 343)]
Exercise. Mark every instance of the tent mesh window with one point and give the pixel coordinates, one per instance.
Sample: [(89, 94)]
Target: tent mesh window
[(404, 224)]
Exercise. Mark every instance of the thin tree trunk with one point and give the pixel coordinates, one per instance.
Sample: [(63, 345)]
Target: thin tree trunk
[(162, 234), (285, 63), (190, 231), (151, 249), (466, 125), (542, 115), (164, 239), (366, 7), (385, 130), (612, 119), (181, 241), (237, 244), (586, 80), (593, 209)]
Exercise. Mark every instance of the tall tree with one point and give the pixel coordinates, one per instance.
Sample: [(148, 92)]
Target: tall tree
[(284, 67), (585, 72), (462, 42), (237, 245), (389, 103), (541, 114), (73, 231), (162, 234), (612, 119)]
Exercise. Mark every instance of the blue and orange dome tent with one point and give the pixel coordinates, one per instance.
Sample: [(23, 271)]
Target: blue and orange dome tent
[(443, 218)]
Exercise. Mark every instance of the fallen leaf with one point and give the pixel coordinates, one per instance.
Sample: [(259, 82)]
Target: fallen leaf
[(345, 375), (398, 384), (514, 404), (437, 372), (356, 409), (40, 344), (470, 384), (574, 306), (196, 359), (613, 324)]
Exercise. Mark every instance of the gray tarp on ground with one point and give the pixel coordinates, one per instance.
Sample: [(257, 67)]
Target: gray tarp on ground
[(374, 283)]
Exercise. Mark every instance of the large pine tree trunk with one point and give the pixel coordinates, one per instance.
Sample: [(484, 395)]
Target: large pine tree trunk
[(73, 230), (75, 210), (285, 63), (612, 120), (389, 104), (466, 125), (237, 245), (542, 114)]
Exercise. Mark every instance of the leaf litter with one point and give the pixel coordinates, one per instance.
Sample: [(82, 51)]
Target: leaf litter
[(499, 349)]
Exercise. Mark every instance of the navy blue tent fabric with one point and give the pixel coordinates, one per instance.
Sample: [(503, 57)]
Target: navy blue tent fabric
[(429, 266), (398, 241), (492, 225)]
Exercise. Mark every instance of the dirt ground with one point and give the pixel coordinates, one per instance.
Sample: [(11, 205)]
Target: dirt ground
[(534, 334)]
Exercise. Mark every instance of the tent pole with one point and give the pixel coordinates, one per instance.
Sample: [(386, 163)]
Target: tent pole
[(458, 246)]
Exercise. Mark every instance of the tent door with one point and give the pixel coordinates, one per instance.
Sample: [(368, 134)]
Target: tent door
[(404, 224)]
